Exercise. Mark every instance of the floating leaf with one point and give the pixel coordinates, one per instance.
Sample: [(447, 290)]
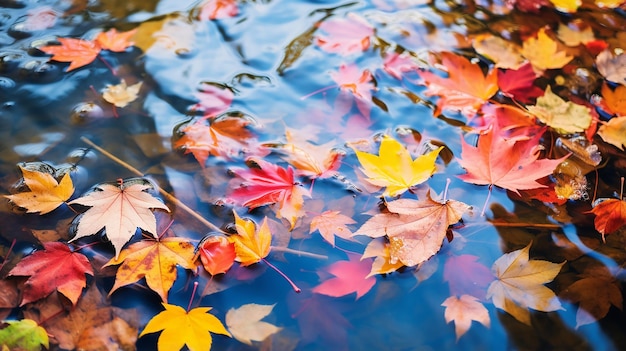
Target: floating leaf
[(46, 194), (217, 254), (612, 67), (614, 132), (245, 324), (113, 40), (610, 215), (463, 311), (351, 276), (345, 36), (543, 52), (121, 95), (565, 117), (77, 52), (331, 223), (251, 245)]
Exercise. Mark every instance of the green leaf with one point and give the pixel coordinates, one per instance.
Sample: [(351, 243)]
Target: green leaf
[(25, 334)]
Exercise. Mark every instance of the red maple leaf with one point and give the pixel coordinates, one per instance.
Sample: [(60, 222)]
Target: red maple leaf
[(55, 267), (610, 215), (216, 9), (519, 84), (217, 254), (345, 36), (78, 52), (349, 277)]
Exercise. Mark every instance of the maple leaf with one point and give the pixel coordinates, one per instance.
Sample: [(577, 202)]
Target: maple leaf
[(463, 311), (121, 95), (315, 161), (381, 252), (613, 132), (92, 325), (270, 184), (345, 36), (24, 334), (519, 284), (78, 52), (217, 254), (466, 276), (612, 67), (39, 18), (614, 100), (508, 163), (53, 268), (245, 325), (565, 117), (251, 245), (351, 79), (218, 9), (351, 276), (192, 328), (155, 260), (113, 40), (569, 6), (519, 83), (394, 167), (610, 215), (46, 194), (543, 52), (397, 64), (504, 53), (415, 228), (573, 35), (214, 99), (331, 223), (120, 210), (465, 88)]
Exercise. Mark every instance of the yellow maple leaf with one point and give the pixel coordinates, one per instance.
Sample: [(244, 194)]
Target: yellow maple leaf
[(394, 167), (543, 52), (155, 260), (251, 246), (246, 325), (382, 262), (121, 95), (613, 132), (566, 5), (565, 117), (45, 195), (519, 284), (179, 328)]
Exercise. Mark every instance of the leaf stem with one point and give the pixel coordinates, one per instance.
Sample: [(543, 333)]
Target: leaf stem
[(298, 252), (445, 190), (482, 213), (319, 91), (193, 294), (293, 285), (167, 195), (6, 257)]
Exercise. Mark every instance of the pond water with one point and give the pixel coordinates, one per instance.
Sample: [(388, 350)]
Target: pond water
[(304, 84)]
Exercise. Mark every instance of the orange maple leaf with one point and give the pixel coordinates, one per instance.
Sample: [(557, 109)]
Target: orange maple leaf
[(465, 88), (78, 52), (610, 215), (614, 99), (156, 260), (113, 40)]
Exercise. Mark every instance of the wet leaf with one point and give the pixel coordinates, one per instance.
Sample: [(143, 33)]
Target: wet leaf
[(46, 194), (573, 35), (315, 161), (565, 117), (350, 78), (345, 36), (154, 260), (610, 215), (245, 324), (217, 254), (78, 52), (519, 284), (24, 334), (115, 41), (394, 167), (518, 84), (614, 132), (349, 277), (566, 5), (331, 223), (612, 67), (53, 268), (251, 245), (398, 64), (504, 53), (543, 52), (218, 9), (121, 95), (120, 210), (380, 249), (463, 311), (615, 99), (179, 328)]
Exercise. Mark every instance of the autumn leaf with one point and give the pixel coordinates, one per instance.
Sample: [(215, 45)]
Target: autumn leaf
[(46, 194), (380, 250), (508, 163), (398, 64), (251, 245), (394, 168), (466, 276), (121, 95), (218, 9), (155, 260), (573, 35), (315, 161), (565, 117), (349, 277), (610, 215), (350, 78), (113, 40), (24, 334), (614, 132), (217, 253), (543, 52), (463, 311), (614, 99), (53, 268), (179, 328), (78, 52), (120, 210), (415, 228), (518, 84), (245, 324), (345, 36), (214, 99), (464, 89), (519, 284), (503, 53), (612, 67), (569, 6), (270, 184), (331, 223)]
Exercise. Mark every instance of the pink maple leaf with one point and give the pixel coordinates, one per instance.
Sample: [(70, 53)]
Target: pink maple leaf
[(349, 277), (213, 100), (345, 36), (350, 78), (217, 9), (398, 64)]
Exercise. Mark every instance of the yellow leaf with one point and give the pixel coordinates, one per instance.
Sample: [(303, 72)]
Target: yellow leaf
[(155, 260), (463, 311), (614, 132), (503, 53), (251, 246), (566, 5), (182, 328), (609, 3), (565, 117), (121, 95), (542, 52), (45, 193), (382, 262), (245, 323), (394, 167), (573, 35), (519, 284)]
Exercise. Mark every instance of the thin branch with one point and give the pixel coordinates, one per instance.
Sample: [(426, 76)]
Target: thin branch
[(298, 252)]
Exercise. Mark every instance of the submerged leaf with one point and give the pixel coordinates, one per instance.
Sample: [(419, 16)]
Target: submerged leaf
[(245, 324)]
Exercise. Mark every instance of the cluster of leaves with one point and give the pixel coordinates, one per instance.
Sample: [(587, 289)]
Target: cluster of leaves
[(507, 94)]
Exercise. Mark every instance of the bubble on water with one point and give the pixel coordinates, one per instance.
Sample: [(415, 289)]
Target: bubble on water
[(39, 71), (6, 84), (84, 112)]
